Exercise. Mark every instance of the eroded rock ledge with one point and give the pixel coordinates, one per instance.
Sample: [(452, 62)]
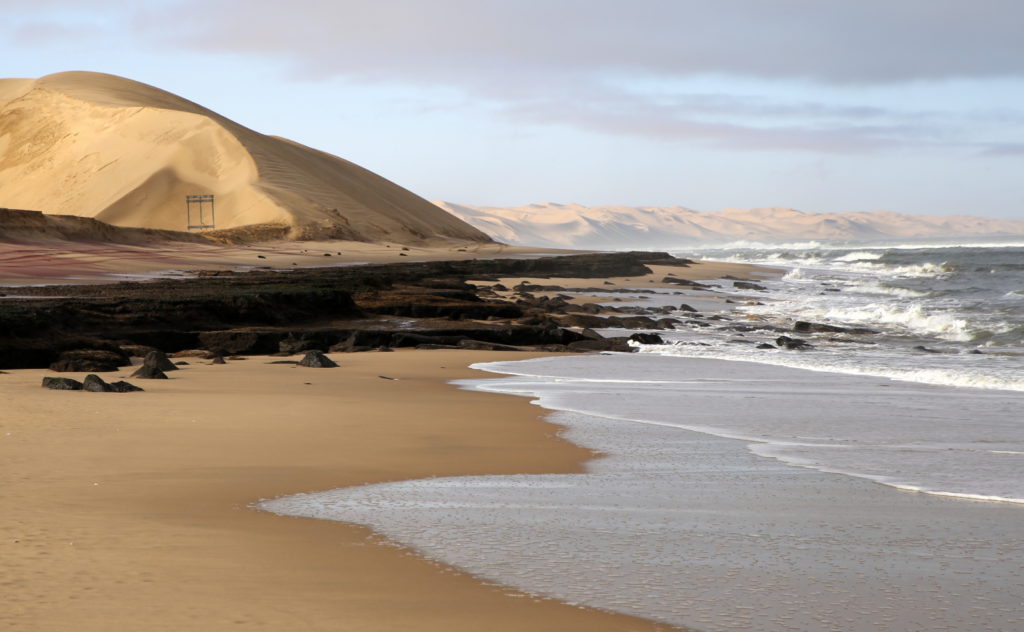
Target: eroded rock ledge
[(341, 309)]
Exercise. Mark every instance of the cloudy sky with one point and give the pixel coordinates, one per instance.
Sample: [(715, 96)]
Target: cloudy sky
[(915, 106)]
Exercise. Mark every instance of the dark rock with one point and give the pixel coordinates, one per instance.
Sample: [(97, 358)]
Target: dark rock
[(786, 342), (137, 351), (590, 334), (159, 360), (62, 384), (925, 349), (746, 285), (684, 282), (124, 387), (283, 362), (317, 360), (765, 345), (89, 360), (607, 344), (486, 346), (292, 345), (149, 373), (95, 384), (806, 327), (647, 339), (686, 308), (182, 363), (218, 360)]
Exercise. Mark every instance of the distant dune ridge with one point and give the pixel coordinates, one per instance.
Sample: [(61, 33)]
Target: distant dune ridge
[(573, 225), (126, 153)]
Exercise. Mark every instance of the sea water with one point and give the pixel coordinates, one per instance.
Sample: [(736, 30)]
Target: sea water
[(879, 490), (945, 313)]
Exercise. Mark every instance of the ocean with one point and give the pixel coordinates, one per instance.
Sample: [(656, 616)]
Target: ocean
[(871, 481)]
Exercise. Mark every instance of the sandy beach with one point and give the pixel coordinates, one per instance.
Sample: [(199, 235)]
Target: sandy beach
[(132, 511)]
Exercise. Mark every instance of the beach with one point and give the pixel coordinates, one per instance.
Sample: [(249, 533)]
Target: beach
[(133, 511)]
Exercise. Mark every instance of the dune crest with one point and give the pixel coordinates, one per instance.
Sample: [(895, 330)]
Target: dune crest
[(618, 227), (126, 153)]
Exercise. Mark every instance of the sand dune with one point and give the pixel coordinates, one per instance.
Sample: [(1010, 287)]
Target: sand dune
[(125, 153), (576, 226)]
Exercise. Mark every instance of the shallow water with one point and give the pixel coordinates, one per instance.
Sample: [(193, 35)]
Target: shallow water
[(717, 507)]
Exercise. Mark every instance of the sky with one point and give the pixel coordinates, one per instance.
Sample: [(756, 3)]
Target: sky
[(913, 106)]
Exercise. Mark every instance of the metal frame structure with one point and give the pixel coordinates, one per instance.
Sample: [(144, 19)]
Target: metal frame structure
[(196, 204)]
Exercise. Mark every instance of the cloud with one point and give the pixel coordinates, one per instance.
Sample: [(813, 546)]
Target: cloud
[(870, 41), (564, 61)]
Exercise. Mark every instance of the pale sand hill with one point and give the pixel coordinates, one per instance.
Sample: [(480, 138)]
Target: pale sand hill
[(577, 226), (126, 153)]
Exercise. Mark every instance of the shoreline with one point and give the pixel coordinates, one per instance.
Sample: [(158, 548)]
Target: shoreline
[(133, 511)]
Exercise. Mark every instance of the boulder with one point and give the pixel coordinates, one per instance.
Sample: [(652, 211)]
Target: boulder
[(146, 372), (647, 339), (606, 344), (218, 360), (124, 387), (765, 345), (95, 384), (159, 360), (480, 345), (786, 342), (686, 308), (89, 360), (317, 360), (746, 285), (62, 384)]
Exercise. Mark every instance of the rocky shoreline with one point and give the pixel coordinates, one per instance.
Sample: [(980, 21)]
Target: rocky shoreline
[(356, 308)]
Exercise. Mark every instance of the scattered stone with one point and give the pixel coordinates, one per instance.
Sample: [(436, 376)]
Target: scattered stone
[(182, 363), (89, 360), (146, 372), (746, 285), (925, 349), (647, 339), (384, 377), (684, 282), (260, 257), (124, 387), (480, 345), (316, 359), (797, 344), (284, 362), (95, 384), (62, 384), (218, 360), (765, 345), (686, 308), (327, 254), (607, 344), (159, 360)]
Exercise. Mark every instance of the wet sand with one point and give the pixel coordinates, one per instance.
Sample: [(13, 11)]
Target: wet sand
[(132, 511)]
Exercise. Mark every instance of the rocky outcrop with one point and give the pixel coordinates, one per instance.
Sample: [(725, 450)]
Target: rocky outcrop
[(317, 360)]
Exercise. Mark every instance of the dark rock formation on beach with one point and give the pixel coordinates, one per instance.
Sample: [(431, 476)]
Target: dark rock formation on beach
[(356, 307), (159, 360), (317, 360), (146, 372), (62, 384)]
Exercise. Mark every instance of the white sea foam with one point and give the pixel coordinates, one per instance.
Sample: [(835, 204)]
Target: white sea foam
[(963, 378), (912, 317)]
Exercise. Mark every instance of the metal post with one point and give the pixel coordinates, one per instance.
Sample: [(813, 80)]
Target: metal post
[(199, 202)]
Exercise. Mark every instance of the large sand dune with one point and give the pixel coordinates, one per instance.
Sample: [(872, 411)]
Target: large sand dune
[(126, 153), (619, 227)]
